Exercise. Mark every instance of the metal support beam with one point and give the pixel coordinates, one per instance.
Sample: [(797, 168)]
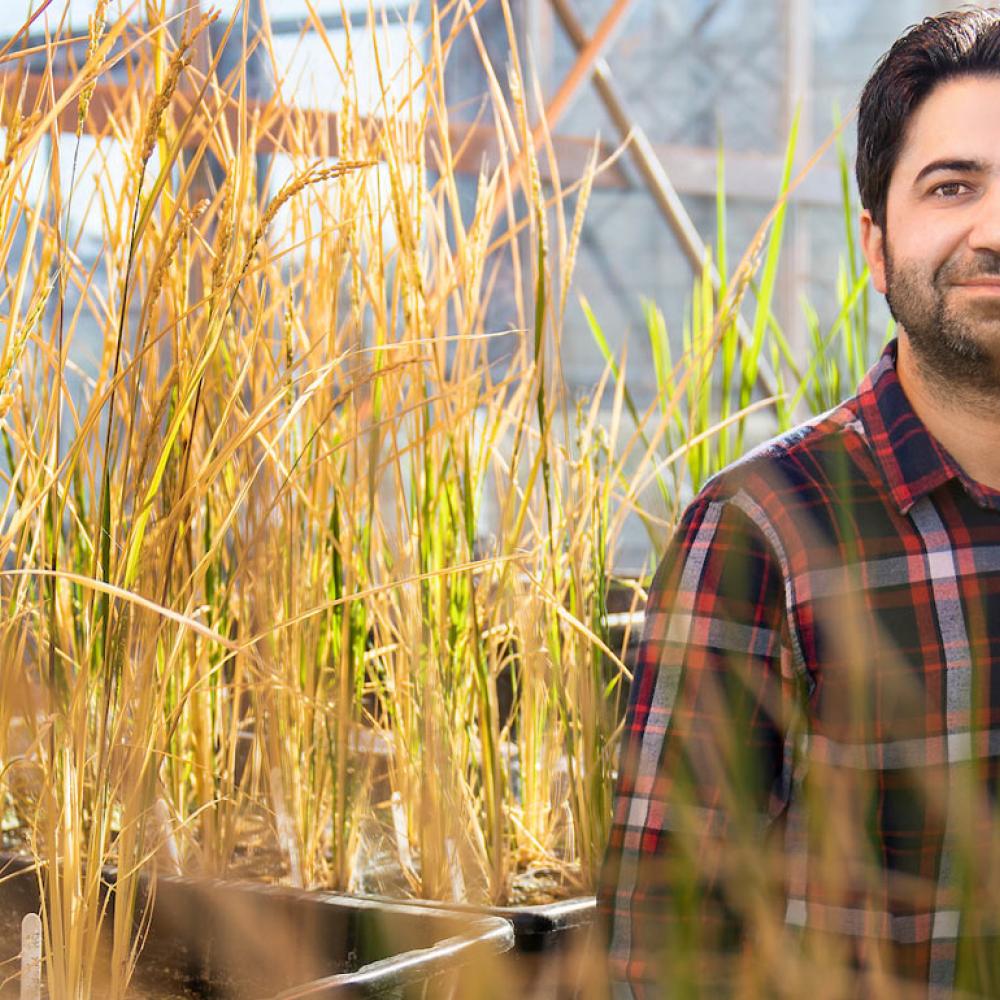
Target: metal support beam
[(649, 166), (587, 55), (639, 147), (798, 73)]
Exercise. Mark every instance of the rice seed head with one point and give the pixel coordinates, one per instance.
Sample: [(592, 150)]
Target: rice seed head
[(420, 186), (345, 127), (223, 237), (288, 331), (477, 244), (313, 175), (184, 227), (96, 24), (180, 60), (534, 184), (569, 265), (161, 102), (18, 132), (115, 664), (12, 356)]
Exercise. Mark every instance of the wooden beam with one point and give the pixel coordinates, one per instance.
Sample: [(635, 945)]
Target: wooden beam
[(750, 176), (692, 169), (587, 55), (582, 69), (641, 151)]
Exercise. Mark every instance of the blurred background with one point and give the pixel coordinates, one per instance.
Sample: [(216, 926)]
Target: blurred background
[(690, 75), (681, 80)]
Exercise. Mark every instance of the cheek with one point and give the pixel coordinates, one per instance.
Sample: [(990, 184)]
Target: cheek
[(921, 257), (926, 240)]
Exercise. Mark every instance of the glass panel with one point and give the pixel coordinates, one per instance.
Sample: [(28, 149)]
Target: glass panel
[(310, 76), (299, 8), (100, 175), (13, 14), (689, 70)]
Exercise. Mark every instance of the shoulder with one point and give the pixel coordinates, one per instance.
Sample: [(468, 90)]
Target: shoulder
[(809, 467), (783, 496)]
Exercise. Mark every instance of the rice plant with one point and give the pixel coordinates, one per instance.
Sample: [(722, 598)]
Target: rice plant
[(244, 546)]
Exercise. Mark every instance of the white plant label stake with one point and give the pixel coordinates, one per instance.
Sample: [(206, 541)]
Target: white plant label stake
[(354, 880), (286, 828), (31, 957), (457, 878), (402, 837), (168, 852)]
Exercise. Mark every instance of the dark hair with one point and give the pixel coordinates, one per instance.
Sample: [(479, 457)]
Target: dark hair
[(960, 43)]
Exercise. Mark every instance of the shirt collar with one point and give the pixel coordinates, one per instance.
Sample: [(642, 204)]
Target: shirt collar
[(910, 458)]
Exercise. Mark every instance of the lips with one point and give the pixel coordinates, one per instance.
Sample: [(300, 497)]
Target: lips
[(991, 281)]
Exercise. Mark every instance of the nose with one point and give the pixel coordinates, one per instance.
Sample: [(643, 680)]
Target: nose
[(985, 231)]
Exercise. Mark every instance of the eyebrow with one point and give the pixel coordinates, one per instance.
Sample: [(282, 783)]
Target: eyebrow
[(952, 166)]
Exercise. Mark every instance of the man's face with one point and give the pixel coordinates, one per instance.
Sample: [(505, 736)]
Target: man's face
[(938, 261)]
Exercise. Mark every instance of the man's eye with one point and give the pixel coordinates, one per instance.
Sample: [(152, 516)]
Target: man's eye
[(950, 189)]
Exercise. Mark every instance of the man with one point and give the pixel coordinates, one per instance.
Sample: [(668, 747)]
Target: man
[(814, 813)]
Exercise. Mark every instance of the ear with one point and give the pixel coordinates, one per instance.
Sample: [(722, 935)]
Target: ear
[(873, 245)]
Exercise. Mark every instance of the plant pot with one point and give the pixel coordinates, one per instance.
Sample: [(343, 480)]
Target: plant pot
[(235, 939)]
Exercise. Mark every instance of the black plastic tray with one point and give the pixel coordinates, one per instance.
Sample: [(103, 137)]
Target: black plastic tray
[(539, 927), (258, 941), (536, 928)]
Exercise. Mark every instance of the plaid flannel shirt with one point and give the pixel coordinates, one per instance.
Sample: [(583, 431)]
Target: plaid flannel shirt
[(828, 613)]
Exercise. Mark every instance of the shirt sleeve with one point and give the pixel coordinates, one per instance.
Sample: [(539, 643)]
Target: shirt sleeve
[(703, 776)]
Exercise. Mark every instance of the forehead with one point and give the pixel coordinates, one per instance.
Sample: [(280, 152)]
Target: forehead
[(959, 119)]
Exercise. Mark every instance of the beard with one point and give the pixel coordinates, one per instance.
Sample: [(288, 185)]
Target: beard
[(956, 346)]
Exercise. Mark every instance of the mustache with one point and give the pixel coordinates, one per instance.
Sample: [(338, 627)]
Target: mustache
[(983, 264)]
